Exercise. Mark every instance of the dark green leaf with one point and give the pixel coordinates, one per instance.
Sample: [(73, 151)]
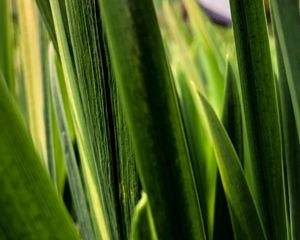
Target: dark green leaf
[(287, 19), (232, 121), (103, 114), (261, 114), (291, 147), (148, 97), (204, 168), (85, 146), (76, 186), (239, 198)]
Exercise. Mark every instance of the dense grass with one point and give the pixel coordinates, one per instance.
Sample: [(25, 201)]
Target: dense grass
[(145, 120)]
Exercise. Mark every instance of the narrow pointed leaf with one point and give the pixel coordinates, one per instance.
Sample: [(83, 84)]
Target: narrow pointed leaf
[(47, 106), (261, 114), (232, 112), (232, 122), (291, 147), (76, 186), (45, 11), (90, 171), (103, 115), (197, 136), (239, 198), (287, 20), (148, 97), (30, 208)]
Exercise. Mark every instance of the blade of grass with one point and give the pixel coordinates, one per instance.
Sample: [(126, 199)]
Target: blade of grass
[(64, 93), (291, 147), (58, 151), (60, 168), (239, 198), (45, 11), (47, 107), (287, 20), (142, 222), (95, 92), (85, 147), (30, 208), (47, 16), (147, 91), (261, 114), (232, 113), (103, 113), (203, 168), (129, 185), (232, 122), (73, 174), (114, 161)]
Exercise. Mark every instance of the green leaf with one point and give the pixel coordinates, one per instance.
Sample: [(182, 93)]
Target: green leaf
[(129, 185), (203, 164), (149, 101), (103, 115), (76, 186), (261, 114), (291, 146), (239, 198), (287, 20), (45, 12), (142, 222), (47, 16), (85, 146), (232, 122), (30, 208), (47, 106), (85, 36), (232, 112)]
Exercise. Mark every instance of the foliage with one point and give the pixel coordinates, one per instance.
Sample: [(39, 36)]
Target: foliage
[(144, 120)]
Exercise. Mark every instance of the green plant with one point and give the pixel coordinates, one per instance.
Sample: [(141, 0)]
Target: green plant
[(120, 120)]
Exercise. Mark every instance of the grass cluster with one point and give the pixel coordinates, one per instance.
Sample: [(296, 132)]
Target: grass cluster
[(144, 120)]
